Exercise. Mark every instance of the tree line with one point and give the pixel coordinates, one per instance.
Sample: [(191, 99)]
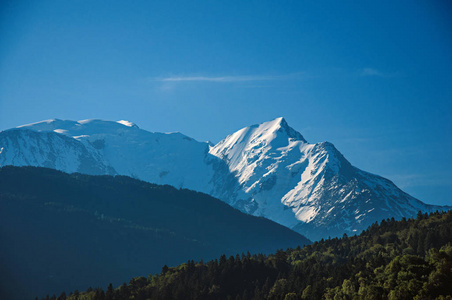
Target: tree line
[(406, 259)]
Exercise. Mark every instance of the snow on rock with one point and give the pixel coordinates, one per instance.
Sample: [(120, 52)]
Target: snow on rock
[(266, 170), (310, 188), (127, 123), (125, 149)]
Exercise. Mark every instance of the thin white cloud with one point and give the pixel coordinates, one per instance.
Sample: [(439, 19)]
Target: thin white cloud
[(229, 78)]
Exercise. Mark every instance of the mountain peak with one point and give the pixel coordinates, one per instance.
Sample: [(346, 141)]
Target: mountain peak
[(266, 169), (127, 123), (271, 134), (48, 125), (81, 127), (279, 120), (280, 125)]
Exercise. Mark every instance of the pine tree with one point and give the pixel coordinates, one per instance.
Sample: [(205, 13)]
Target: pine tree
[(109, 294)]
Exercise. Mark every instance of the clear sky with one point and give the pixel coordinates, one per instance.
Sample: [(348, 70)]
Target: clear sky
[(372, 77)]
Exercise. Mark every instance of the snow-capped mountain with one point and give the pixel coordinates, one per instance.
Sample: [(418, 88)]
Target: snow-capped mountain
[(310, 188), (266, 170), (104, 147)]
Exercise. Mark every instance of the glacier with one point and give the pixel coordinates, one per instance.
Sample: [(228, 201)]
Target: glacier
[(266, 170)]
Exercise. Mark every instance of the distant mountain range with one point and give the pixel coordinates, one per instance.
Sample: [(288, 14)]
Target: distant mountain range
[(63, 232), (266, 170)]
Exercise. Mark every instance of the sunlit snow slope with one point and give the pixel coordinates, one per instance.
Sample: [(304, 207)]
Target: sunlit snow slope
[(266, 170), (106, 147), (311, 188)]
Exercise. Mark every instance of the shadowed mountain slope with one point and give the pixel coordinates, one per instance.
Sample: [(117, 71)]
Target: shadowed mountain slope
[(66, 232)]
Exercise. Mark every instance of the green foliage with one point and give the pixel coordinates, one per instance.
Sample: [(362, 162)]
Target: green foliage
[(387, 261)]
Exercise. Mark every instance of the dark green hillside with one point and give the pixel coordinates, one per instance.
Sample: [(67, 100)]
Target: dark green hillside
[(407, 259), (66, 232)]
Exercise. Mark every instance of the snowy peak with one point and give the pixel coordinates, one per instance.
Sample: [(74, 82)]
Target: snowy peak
[(49, 125), (66, 126), (291, 133), (117, 147), (277, 128), (121, 132), (127, 123), (81, 127), (266, 160), (257, 146), (267, 170), (311, 188), (273, 134)]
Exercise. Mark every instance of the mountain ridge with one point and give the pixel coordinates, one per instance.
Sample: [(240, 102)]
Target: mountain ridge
[(266, 169), (64, 231)]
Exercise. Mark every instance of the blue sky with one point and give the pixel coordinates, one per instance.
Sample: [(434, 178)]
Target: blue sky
[(372, 77)]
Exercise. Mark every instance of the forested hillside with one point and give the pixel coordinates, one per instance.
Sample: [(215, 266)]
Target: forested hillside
[(65, 232), (407, 259)]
